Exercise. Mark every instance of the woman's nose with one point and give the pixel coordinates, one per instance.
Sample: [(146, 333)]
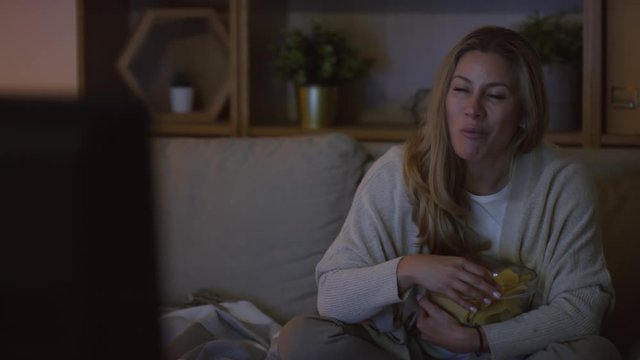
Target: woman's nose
[(473, 107)]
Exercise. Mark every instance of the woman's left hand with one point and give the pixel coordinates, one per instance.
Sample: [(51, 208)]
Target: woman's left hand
[(439, 328)]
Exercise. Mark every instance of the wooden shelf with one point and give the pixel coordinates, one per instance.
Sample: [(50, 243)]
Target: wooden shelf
[(196, 117), (263, 99), (359, 132), (185, 128), (565, 138), (620, 140)]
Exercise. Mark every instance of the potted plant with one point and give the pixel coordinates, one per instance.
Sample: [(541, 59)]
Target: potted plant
[(181, 93), (558, 42), (317, 63)]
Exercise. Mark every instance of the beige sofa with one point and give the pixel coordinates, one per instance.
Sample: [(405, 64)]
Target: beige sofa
[(250, 218)]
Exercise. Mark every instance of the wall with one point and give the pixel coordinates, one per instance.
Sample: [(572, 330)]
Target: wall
[(39, 47)]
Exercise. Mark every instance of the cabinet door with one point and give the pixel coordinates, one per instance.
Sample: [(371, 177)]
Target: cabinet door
[(623, 68)]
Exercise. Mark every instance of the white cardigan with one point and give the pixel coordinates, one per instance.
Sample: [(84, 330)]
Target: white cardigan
[(550, 226)]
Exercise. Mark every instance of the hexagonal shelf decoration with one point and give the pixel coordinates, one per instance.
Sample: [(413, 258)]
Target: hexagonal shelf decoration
[(191, 42)]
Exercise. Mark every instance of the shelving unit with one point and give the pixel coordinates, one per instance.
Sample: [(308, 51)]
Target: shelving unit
[(197, 43), (254, 117), (255, 102), (264, 109)]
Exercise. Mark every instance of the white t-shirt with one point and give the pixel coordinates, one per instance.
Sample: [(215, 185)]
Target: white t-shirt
[(487, 214)]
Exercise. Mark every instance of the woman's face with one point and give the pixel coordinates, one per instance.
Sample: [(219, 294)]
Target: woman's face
[(482, 107)]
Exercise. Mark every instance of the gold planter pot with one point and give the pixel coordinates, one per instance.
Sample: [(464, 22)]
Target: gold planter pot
[(316, 105)]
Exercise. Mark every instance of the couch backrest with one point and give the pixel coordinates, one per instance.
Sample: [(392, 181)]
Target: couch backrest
[(250, 218), (617, 174)]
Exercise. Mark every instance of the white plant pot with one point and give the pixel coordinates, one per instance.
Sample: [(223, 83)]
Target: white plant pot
[(563, 90), (181, 99)]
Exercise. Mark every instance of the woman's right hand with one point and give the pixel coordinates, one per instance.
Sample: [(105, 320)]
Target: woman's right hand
[(460, 279)]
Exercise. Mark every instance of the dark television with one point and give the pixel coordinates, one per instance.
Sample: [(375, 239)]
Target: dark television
[(78, 259)]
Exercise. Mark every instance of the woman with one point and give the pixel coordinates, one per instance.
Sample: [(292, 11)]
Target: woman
[(475, 179)]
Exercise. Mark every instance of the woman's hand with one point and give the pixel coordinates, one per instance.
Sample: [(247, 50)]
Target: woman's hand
[(455, 277), (437, 327)]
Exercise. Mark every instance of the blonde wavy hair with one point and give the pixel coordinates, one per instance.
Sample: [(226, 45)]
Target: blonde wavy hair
[(434, 174)]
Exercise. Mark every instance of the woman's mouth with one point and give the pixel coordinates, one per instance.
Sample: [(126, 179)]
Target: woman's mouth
[(474, 134)]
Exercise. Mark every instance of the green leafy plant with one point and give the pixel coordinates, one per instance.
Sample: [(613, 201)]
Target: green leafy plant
[(557, 40), (180, 79), (321, 57)]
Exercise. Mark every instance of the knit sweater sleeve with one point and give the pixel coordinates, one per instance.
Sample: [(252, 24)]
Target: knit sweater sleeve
[(558, 235), (357, 275)]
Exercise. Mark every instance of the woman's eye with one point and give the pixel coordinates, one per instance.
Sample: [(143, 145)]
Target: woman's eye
[(460, 89), (497, 96)]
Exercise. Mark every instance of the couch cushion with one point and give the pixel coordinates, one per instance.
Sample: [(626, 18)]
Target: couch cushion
[(250, 218)]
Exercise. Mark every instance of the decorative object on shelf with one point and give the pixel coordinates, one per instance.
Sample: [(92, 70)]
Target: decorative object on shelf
[(191, 41), (316, 105), (181, 93), (317, 63), (558, 42)]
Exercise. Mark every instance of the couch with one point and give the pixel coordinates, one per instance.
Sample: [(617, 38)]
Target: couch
[(249, 218)]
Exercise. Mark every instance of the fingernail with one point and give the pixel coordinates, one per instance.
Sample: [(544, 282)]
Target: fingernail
[(486, 301), (473, 309), (496, 295)]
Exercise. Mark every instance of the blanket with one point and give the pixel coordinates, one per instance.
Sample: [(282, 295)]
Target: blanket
[(232, 330)]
